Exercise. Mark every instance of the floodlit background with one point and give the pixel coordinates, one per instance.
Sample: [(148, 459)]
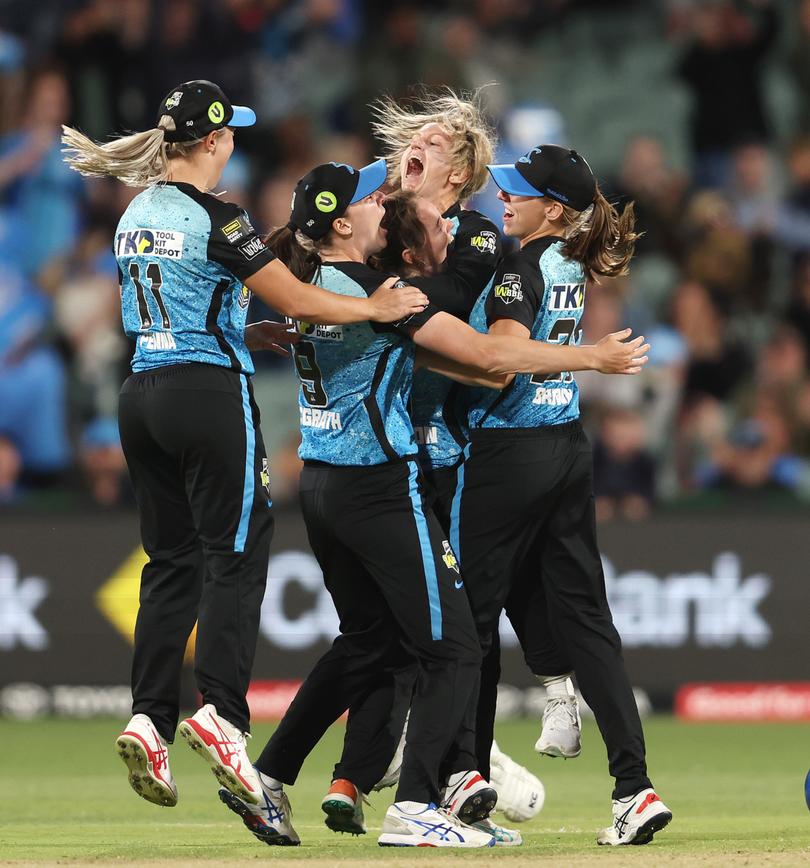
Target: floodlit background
[(697, 111)]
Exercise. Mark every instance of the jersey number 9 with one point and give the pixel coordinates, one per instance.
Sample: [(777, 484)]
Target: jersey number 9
[(310, 374)]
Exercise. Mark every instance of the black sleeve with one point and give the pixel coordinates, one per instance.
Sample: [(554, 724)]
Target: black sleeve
[(233, 241), (517, 291), (471, 262)]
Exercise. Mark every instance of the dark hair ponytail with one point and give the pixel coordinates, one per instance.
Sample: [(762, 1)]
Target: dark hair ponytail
[(296, 251), (600, 238), (405, 231)]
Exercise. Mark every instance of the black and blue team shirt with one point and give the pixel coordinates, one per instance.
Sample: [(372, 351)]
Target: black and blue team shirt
[(355, 379), (541, 289), (471, 262), (183, 256)]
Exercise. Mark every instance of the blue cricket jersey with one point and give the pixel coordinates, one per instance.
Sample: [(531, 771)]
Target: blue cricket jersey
[(541, 289), (471, 262), (355, 379), (183, 256)]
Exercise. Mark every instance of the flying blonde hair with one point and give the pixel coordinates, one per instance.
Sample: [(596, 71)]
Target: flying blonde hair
[(461, 115), (137, 160)]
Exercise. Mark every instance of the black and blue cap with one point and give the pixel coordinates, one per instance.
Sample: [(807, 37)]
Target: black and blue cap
[(199, 107), (549, 170), (325, 193)]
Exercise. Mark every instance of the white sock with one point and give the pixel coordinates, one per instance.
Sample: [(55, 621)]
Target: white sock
[(270, 783), (557, 686)]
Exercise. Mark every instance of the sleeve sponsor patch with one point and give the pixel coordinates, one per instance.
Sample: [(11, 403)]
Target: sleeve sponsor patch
[(237, 229), (485, 242), (150, 242), (252, 247), (509, 289)]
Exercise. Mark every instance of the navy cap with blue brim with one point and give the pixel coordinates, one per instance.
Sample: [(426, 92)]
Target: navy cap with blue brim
[(328, 190), (549, 170), (199, 107)]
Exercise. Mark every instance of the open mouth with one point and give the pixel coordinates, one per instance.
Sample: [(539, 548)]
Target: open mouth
[(414, 168), (507, 214)]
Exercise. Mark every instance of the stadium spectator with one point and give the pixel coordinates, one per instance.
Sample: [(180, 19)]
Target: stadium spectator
[(38, 193), (623, 470), (722, 66), (658, 190), (717, 362)]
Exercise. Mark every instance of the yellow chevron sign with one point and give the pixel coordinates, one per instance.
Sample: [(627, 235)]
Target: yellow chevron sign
[(117, 598)]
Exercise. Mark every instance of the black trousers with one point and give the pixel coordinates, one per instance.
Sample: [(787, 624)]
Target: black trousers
[(395, 585), (191, 438), (525, 514), (375, 723)]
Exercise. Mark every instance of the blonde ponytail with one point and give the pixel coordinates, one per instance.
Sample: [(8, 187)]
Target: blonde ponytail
[(137, 160)]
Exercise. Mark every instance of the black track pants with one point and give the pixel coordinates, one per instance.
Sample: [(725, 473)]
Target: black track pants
[(526, 501), (191, 438), (394, 584)]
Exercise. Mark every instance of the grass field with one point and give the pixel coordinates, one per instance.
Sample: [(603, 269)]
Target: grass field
[(736, 793)]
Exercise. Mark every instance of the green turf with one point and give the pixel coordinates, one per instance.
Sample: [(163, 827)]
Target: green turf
[(736, 792)]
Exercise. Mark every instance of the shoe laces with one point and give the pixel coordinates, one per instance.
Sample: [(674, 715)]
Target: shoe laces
[(451, 818), (278, 805), (560, 706)]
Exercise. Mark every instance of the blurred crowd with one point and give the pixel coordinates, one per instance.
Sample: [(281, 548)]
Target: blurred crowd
[(721, 283)]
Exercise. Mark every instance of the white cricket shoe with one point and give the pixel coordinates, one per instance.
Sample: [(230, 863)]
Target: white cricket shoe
[(636, 819), (561, 734), (146, 756), (270, 822), (503, 837), (391, 776), (520, 793), (223, 747), (414, 824), (469, 796)]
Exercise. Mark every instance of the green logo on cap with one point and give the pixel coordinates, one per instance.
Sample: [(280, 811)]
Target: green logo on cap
[(326, 202), (216, 112)]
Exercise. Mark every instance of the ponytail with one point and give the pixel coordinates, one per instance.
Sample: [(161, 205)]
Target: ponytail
[(296, 251), (600, 238), (137, 160)]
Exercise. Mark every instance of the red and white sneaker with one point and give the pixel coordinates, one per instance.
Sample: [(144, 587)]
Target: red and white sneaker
[(146, 756), (223, 747), (636, 819), (469, 797)]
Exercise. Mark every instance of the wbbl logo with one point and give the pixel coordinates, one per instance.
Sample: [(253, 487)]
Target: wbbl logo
[(509, 289)]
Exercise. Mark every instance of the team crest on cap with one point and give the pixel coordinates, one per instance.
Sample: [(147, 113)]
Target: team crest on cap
[(326, 202), (216, 112), (174, 100)]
